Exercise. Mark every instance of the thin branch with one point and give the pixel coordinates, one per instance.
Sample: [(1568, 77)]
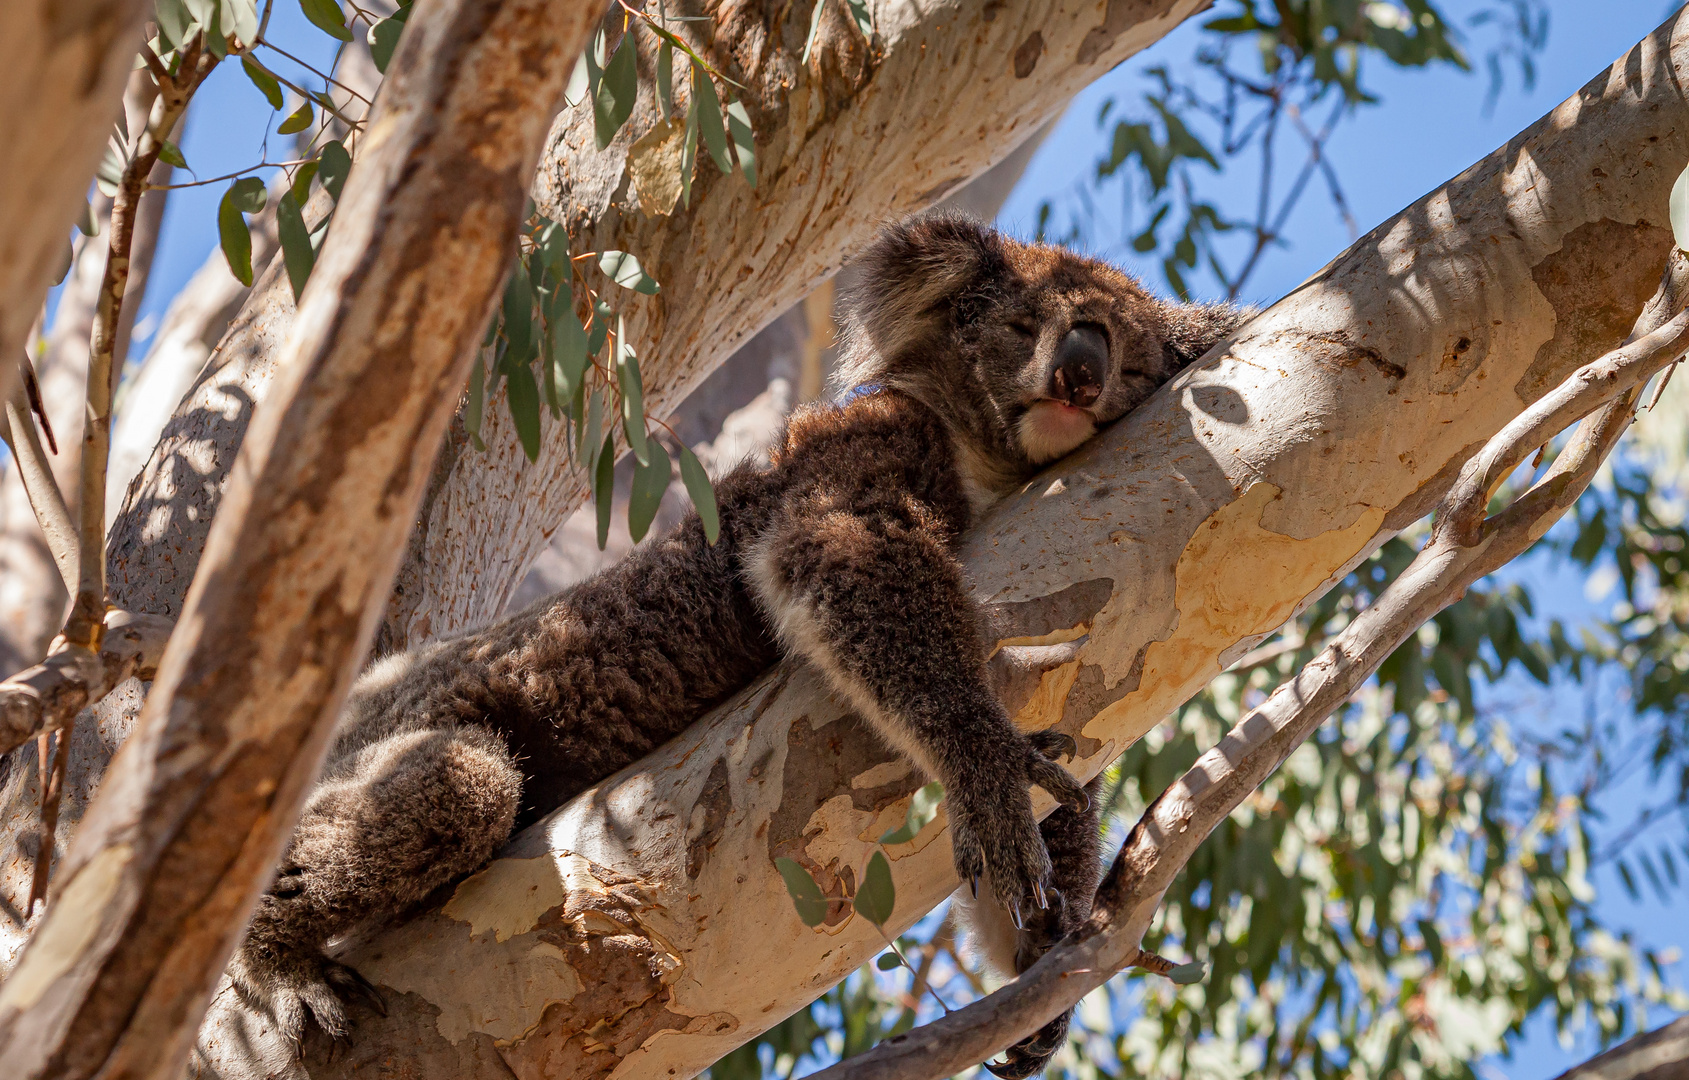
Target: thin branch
[(45, 498), (229, 176), (1179, 819), (46, 697), (327, 78)]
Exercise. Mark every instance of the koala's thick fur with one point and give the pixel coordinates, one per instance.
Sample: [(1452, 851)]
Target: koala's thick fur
[(976, 360)]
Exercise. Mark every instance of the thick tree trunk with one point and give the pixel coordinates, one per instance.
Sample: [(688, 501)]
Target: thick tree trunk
[(182, 837), (643, 930), (66, 65)]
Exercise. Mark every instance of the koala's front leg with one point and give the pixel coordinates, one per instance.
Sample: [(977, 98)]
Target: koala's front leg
[(878, 603)]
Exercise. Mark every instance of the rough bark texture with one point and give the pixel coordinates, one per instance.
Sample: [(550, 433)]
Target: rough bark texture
[(66, 65), (187, 829), (862, 136), (1662, 1054), (643, 930)]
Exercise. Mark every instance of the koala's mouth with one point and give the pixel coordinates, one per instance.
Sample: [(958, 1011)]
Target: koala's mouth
[(1050, 429)]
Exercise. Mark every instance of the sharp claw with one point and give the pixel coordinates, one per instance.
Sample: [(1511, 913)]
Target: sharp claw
[(1043, 900), (1014, 914)]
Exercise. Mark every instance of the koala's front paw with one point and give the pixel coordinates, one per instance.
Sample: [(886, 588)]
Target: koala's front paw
[(292, 983), (993, 832)]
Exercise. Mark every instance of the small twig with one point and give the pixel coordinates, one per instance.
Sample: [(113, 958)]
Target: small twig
[(327, 78), (43, 492), (32, 391), (229, 176)]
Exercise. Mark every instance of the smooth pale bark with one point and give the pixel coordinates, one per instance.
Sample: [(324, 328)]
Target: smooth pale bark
[(187, 828), (643, 931), (1662, 1054), (842, 147), (66, 65)]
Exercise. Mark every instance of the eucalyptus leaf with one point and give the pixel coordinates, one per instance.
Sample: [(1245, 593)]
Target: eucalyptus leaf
[(333, 164), (240, 18), (234, 237), (1186, 974), (298, 120), (617, 90), (633, 395), (876, 897), (264, 81), (86, 223), (923, 807), (477, 402), (889, 961), (689, 153), (326, 16), (744, 141), (600, 328), (665, 78), (814, 30), (66, 257), (576, 90), (522, 396), (568, 342), (170, 154), (698, 486), (384, 38), (297, 253), (518, 309), (864, 19), (301, 188), (806, 895), (649, 483), (603, 485), (175, 22), (248, 194), (623, 268), (708, 107)]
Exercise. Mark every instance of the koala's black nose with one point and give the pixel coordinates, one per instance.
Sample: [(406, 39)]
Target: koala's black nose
[(1081, 363)]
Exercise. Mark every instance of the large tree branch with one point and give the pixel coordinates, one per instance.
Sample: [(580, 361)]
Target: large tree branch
[(644, 930), (185, 833), (59, 92), (1180, 819), (1662, 1054)]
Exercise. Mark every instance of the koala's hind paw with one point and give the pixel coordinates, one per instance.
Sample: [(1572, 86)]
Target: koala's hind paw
[(291, 987), (1029, 1056)]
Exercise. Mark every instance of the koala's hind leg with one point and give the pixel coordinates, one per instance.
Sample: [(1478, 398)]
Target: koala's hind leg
[(388, 825)]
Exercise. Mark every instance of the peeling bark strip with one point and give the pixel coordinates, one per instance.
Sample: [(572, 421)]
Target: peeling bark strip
[(1211, 515), (186, 829), (66, 66)]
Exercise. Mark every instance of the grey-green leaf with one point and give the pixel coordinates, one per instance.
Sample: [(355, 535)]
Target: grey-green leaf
[(295, 242), (623, 268), (665, 78), (264, 81), (575, 92), (235, 237), (603, 483), (384, 38), (698, 486), (889, 961), (327, 17), (649, 483), (689, 154), (814, 30), (568, 342), (1185, 974), (805, 893), (174, 22), (240, 18), (864, 19), (298, 120), (923, 807), (302, 182), (334, 163), (744, 142), (875, 897), (477, 401), (248, 194), (523, 397), (170, 154), (708, 106), (519, 312), (617, 89), (86, 222), (633, 395)]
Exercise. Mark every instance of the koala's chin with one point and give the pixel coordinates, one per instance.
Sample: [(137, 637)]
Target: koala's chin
[(1052, 429)]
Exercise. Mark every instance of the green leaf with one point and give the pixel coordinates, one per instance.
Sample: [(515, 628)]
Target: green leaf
[(623, 268), (744, 142), (698, 486), (689, 154), (1680, 210), (248, 194), (889, 961), (301, 189), (519, 313), (633, 395), (708, 107), (568, 342), (295, 243), (553, 251), (327, 17), (805, 893), (591, 431), (384, 38), (617, 90), (600, 328), (665, 79), (298, 120), (175, 22), (523, 399), (86, 223), (477, 402), (649, 483), (875, 897), (603, 485), (264, 81), (923, 807), (575, 92), (235, 237), (1186, 974), (109, 174), (168, 153), (333, 165), (239, 18), (864, 18)]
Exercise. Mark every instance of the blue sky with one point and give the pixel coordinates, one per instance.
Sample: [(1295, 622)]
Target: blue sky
[(1430, 126)]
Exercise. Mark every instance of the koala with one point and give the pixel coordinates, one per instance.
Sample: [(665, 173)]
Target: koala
[(973, 360)]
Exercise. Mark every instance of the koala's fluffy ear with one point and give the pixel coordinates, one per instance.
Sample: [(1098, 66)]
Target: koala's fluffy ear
[(912, 277), (1193, 329)]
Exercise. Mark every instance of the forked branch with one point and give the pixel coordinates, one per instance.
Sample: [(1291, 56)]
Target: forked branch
[(46, 697), (1464, 547)]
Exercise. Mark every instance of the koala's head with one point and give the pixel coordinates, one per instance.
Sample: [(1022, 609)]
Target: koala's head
[(1023, 348)]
